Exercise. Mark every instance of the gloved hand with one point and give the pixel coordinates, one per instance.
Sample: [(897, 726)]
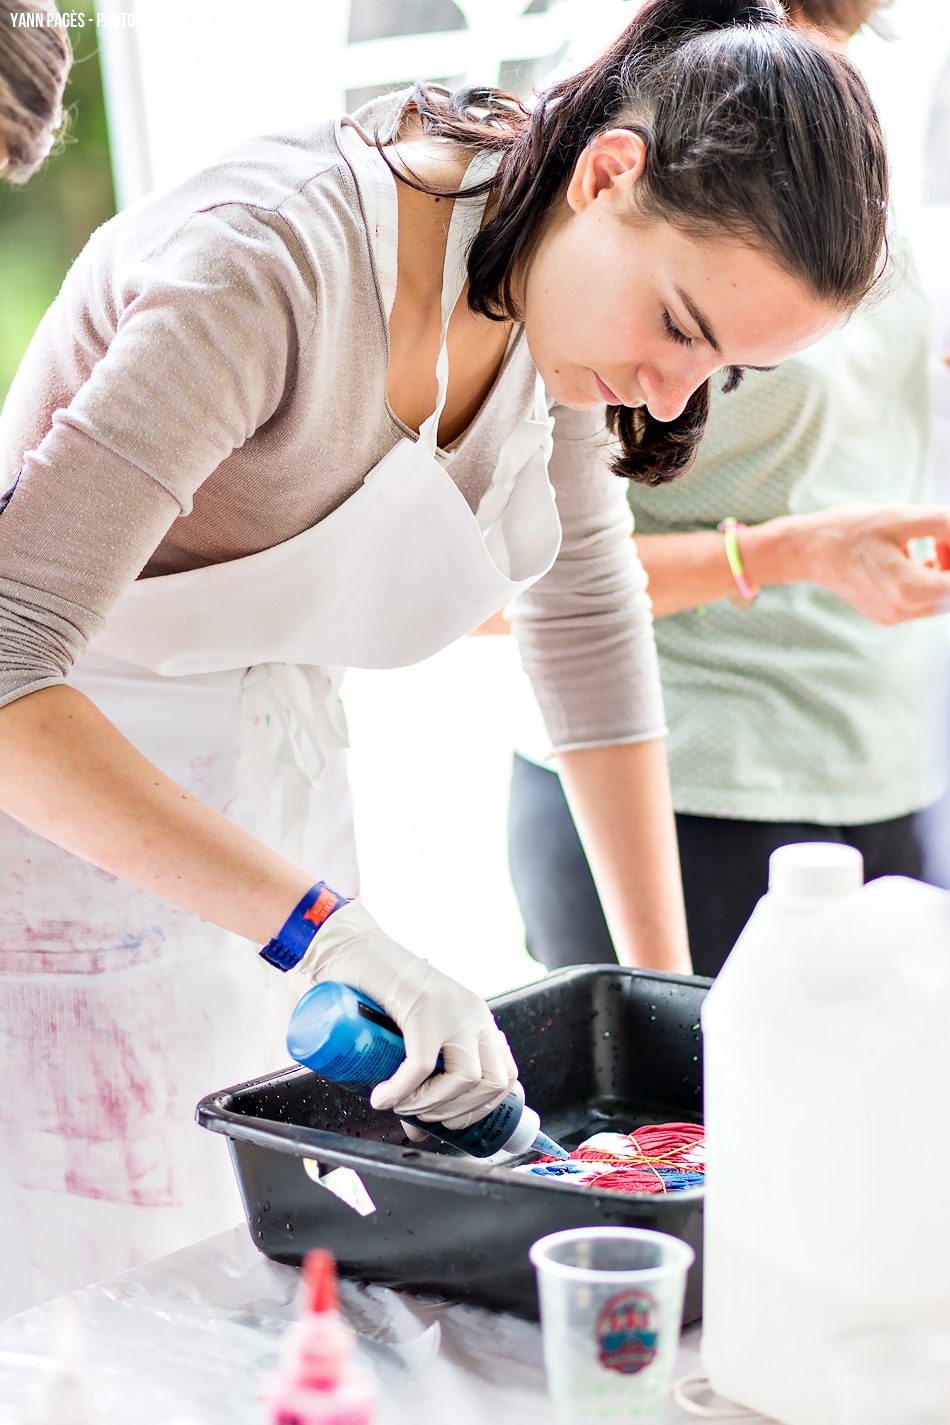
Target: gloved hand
[(436, 1015)]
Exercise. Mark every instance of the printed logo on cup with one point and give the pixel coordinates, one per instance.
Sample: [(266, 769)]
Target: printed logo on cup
[(627, 1331)]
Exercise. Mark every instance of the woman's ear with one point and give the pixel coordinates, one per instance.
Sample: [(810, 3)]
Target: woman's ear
[(611, 164)]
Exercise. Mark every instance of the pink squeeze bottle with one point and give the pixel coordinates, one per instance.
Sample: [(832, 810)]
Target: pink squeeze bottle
[(320, 1381)]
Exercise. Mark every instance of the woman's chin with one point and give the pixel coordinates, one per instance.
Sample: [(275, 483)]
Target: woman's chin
[(571, 393)]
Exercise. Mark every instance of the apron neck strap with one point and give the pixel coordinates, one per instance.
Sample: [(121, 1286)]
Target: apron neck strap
[(466, 221)]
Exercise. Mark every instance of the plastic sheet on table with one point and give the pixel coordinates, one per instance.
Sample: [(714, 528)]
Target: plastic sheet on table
[(190, 1339)]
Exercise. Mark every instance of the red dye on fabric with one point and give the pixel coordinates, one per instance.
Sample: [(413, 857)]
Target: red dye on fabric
[(673, 1146)]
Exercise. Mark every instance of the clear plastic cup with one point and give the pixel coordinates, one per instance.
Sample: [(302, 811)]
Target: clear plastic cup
[(890, 1375), (611, 1308)]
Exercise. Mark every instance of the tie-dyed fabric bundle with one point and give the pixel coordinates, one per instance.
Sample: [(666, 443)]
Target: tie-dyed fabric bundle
[(658, 1158)]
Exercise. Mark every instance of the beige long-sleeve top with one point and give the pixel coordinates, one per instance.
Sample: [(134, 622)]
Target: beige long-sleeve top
[(211, 381)]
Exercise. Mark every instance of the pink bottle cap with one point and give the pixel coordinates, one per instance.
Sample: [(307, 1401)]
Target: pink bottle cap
[(319, 1273)]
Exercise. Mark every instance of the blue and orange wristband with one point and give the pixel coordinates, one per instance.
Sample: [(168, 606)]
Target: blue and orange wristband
[(292, 941)]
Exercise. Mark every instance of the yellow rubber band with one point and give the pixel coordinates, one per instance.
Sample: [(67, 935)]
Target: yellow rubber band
[(729, 529)]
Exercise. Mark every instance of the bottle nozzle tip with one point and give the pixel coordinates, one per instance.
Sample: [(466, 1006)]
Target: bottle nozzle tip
[(546, 1145), (320, 1275)]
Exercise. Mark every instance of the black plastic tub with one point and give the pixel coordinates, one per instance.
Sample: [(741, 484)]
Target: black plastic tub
[(598, 1048)]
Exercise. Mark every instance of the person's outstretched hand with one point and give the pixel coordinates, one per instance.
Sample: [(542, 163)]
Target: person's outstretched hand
[(436, 1015), (861, 553)]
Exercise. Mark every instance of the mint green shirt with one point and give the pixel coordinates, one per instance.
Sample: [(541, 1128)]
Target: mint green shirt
[(798, 708)]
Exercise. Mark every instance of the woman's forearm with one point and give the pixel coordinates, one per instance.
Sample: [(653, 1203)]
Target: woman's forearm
[(620, 800), (862, 553), (69, 774), (686, 570)]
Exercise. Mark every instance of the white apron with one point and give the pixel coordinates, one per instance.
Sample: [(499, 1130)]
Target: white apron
[(117, 1011)]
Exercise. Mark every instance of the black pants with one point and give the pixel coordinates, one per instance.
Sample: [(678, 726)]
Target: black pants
[(725, 870)]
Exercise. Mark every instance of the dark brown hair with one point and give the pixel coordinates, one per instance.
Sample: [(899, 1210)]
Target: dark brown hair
[(752, 130), (35, 59)]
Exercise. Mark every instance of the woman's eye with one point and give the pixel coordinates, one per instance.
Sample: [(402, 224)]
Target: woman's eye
[(732, 379), (674, 331)]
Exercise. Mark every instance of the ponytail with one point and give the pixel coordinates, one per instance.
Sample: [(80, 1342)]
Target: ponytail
[(751, 131)]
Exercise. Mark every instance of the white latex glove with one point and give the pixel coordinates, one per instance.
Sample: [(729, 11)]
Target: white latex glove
[(436, 1015)]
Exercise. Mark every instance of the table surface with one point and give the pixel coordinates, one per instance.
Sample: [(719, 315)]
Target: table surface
[(188, 1340)]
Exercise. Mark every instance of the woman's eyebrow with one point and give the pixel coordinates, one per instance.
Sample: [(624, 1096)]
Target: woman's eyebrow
[(707, 330), (699, 319)]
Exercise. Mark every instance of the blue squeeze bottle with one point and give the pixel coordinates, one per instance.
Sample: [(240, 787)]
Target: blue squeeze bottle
[(345, 1037)]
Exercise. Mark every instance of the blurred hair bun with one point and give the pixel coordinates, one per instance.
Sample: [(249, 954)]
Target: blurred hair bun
[(676, 20), (718, 13)]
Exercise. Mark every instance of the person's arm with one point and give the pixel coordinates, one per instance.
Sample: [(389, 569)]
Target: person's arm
[(585, 633), (859, 552), (197, 362), (67, 773), (620, 801)]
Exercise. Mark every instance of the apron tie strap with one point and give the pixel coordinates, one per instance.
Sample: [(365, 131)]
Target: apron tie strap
[(288, 708)]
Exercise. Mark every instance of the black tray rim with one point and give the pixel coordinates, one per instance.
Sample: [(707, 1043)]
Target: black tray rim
[(214, 1112)]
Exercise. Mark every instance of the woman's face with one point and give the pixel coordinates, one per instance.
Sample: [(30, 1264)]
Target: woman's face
[(641, 314)]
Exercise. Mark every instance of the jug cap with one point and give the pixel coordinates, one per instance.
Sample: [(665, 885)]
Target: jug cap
[(816, 868)]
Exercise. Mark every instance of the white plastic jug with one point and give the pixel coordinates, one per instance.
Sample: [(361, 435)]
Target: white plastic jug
[(827, 1102)]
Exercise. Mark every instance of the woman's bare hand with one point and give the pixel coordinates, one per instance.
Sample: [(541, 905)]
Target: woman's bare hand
[(861, 553)]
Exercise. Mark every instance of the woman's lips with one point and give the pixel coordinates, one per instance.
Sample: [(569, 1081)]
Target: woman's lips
[(606, 394)]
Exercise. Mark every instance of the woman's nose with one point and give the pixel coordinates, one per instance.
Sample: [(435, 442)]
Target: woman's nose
[(666, 393)]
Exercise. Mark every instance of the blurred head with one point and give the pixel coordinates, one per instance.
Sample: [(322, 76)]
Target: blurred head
[(839, 18), (711, 193), (34, 66)]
